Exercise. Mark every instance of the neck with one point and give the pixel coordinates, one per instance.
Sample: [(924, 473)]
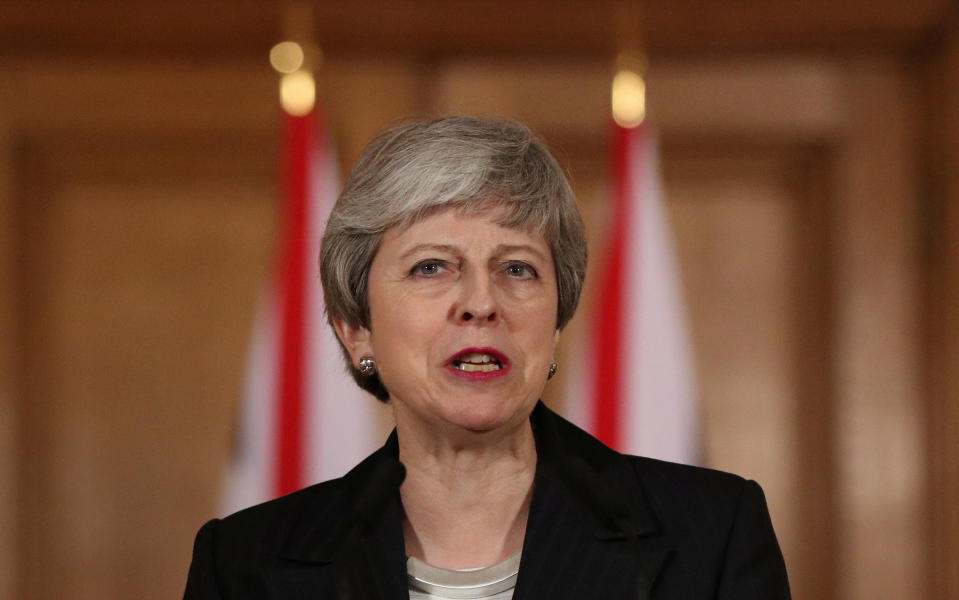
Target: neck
[(466, 500)]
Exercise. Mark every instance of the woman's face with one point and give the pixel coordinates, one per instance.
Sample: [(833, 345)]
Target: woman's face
[(463, 321)]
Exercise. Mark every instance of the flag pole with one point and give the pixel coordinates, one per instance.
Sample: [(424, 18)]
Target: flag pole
[(628, 111), (643, 388), (295, 59), (302, 418)]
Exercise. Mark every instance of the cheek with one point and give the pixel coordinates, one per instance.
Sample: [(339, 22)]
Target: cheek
[(403, 326), (539, 325)]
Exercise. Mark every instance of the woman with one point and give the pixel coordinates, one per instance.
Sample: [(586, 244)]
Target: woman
[(452, 260)]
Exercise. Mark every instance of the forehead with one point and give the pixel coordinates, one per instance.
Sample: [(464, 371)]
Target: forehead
[(461, 228)]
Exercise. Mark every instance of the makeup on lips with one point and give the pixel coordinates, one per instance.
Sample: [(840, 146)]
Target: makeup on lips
[(478, 363)]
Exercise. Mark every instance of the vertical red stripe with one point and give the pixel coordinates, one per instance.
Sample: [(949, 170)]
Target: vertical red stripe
[(608, 370), (614, 353), (292, 297)]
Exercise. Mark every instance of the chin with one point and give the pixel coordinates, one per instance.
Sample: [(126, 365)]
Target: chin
[(482, 417)]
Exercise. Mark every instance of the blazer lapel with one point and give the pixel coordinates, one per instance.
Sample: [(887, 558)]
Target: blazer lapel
[(354, 550), (590, 534)]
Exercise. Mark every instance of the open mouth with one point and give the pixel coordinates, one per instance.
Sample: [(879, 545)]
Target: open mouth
[(477, 362)]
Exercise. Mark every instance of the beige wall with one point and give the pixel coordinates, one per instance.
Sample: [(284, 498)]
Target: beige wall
[(814, 207)]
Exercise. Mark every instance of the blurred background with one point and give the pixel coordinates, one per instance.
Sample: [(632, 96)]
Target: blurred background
[(809, 153)]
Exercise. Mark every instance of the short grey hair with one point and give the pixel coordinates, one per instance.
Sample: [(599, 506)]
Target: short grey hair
[(416, 169)]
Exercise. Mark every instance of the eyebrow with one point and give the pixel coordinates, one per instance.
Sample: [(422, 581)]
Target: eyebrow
[(500, 249), (507, 248), (435, 247)]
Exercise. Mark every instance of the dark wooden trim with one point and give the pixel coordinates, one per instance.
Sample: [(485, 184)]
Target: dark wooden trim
[(816, 378), (178, 28), (32, 200), (937, 162)]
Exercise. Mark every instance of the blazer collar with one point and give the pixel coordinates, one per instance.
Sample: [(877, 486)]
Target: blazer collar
[(366, 504), (351, 538), (587, 502), (600, 480), (588, 508)]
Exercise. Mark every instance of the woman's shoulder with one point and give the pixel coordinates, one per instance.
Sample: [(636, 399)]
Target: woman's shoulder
[(320, 511), (672, 490), (662, 474), (271, 521), (706, 507), (230, 552), (654, 474)]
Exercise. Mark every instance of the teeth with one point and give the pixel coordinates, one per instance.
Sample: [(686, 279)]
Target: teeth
[(476, 358), (477, 362), (474, 368)]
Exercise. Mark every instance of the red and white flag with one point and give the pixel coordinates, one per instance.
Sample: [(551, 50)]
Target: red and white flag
[(302, 419), (639, 393)]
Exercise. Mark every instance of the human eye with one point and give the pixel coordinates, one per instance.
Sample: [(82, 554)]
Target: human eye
[(520, 270), (428, 268)]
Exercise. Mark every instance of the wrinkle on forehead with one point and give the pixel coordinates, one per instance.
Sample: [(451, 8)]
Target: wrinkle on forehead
[(443, 238), (502, 211)]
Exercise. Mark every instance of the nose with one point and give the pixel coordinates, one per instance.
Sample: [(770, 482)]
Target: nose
[(476, 304)]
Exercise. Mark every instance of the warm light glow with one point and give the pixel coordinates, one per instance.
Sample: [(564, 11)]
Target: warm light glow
[(297, 93), (286, 57), (629, 98)]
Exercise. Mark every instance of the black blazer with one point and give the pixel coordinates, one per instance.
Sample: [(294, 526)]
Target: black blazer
[(601, 525)]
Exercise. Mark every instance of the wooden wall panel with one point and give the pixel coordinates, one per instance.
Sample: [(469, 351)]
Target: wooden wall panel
[(946, 498), (143, 200), (126, 260), (364, 95), (146, 287), (749, 196), (9, 373), (941, 314), (813, 277), (30, 193), (244, 28), (70, 96), (145, 234), (736, 221), (748, 97), (878, 416)]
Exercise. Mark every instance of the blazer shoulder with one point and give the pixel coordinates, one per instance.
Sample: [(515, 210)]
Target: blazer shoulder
[(669, 474), (270, 522), (689, 492), (717, 519), (229, 553)]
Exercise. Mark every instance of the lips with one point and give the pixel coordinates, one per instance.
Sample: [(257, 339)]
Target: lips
[(478, 363)]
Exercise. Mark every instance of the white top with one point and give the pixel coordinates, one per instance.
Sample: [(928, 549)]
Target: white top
[(496, 582)]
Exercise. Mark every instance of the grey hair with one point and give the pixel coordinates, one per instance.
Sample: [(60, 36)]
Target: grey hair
[(416, 169)]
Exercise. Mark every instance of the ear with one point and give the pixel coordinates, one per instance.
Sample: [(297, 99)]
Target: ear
[(555, 339), (356, 339)]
